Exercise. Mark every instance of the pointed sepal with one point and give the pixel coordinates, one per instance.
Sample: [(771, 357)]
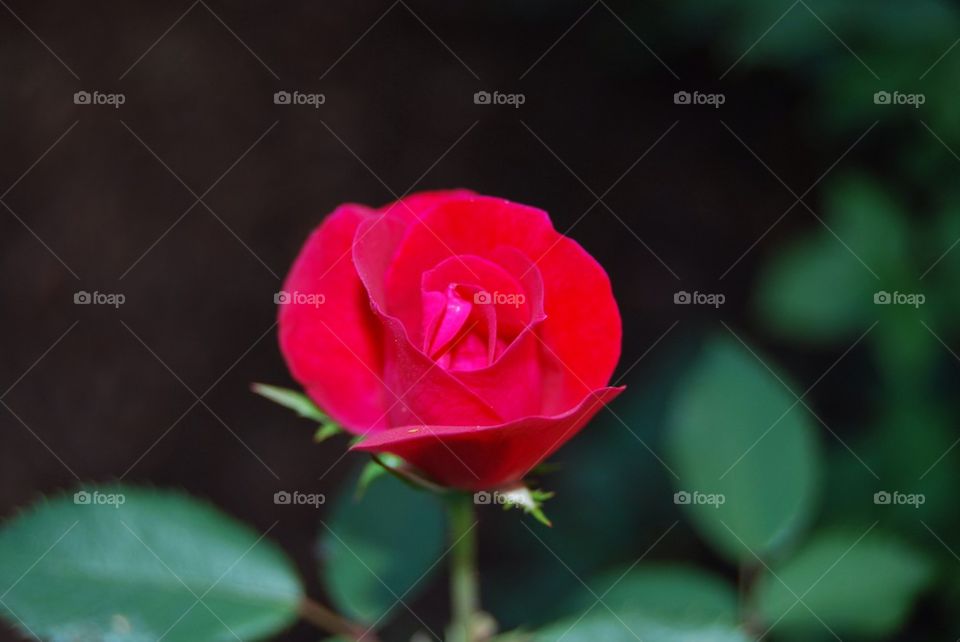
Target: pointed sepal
[(530, 501), (302, 405)]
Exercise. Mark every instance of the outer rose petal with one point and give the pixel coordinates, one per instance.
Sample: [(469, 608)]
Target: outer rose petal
[(415, 206), (335, 350), (478, 458)]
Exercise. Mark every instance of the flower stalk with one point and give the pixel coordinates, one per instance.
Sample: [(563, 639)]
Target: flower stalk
[(464, 579)]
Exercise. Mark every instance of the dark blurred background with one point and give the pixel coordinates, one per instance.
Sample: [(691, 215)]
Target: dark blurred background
[(192, 198)]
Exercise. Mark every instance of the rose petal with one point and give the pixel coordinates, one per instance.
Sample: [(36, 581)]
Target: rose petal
[(424, 392), (478, 458), (420, 390), (513, 385), (414, 206), (335, 349)]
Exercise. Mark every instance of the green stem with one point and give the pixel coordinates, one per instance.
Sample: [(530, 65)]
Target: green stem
[(464, 581)]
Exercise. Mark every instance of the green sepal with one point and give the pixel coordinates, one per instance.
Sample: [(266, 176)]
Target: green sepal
[(326, 430), (374, 469), (530, 501), (303, 406)]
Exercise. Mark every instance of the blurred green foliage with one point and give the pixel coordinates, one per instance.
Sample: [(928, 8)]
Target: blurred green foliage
[(652, 602), (884, 226), (378, 552), (123, 564), (854, 583), (889, 225), (745, 453)]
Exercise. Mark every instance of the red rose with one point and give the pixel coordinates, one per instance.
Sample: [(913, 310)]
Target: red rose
[(460, 332)]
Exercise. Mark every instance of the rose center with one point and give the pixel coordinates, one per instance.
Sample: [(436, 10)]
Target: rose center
[(471, 310), (460, 328)]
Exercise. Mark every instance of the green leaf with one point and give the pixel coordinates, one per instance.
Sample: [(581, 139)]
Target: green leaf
[(744, 451), (292, 399), (871, 223), (856, 586), (821, 288), (814, 290), (630, 627), (666, 592), (381, 548), (120, 563), (656, 603)]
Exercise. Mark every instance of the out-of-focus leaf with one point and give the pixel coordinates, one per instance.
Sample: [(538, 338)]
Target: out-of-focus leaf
[(380, 547), (815, 290), (630, 627), (670, 593), (782, 34), (120, 563), (855, 586), (871, 224), (823, 287), (745, 453), (924, 468), (942, 260)]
